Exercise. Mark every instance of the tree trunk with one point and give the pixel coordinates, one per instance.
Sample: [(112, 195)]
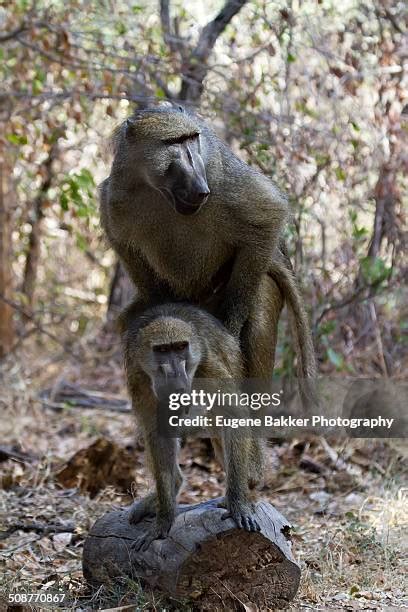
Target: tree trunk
[(204, 558), (34, 241), (6, 311), (385, 226)]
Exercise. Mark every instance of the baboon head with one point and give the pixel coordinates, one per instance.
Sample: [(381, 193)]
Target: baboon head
[(169, 354), (164, 145)]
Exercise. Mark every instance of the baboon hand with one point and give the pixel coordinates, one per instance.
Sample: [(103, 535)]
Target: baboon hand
[(242, 512)]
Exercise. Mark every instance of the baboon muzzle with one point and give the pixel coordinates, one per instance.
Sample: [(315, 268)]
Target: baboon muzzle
[(172, 379), (190, 188), (189, 201), (165, 387)]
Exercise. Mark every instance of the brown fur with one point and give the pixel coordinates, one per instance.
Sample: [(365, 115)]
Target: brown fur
[(172, 257), (217, 356)]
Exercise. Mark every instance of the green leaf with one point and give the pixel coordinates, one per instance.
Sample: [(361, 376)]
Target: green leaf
[(291, 58), (81, 242), (374, 270), (84, 179), (121, 28), (17, 139), (321, 159), (37, 86), (64, 201), (302, 107), (359, 232), (335, 358), (40, 75), (328, 327), (340, 174)]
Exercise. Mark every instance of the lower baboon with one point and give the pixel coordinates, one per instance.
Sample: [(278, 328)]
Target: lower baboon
[(165, 349)]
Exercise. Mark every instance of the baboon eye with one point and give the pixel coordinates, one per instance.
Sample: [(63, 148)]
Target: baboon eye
[(180, 139), (180, 346), (161, 348)]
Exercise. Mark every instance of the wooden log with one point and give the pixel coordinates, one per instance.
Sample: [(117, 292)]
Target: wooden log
[(204, 558)]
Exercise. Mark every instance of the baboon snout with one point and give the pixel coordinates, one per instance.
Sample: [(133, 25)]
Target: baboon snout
[(172, 385), (194, 197), (188, 200)]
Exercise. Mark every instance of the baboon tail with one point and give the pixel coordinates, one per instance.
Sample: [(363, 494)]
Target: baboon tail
[(282, 273)]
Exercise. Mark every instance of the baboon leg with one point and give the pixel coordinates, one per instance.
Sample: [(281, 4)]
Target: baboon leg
[(163, 461), (143, 507), (218, 451), (255, 459), (237, 501), (256, 462), (147, 506), (260, 333)]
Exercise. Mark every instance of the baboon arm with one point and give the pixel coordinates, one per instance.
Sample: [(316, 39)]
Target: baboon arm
[(242, 287), (150, 289), (257, 229), (163, 461), (236, 452)]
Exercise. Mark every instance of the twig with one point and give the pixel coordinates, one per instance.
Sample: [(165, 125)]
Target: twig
[(65, 395), (37, 528), (354, 298), (173, 42), (13, 34), (378, 338), (197, 69), (333, 455), (37, 325), (7, 452)]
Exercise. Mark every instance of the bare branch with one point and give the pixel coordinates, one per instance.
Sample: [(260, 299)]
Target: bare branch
[(171, 35), (38, 326), (165, 21), (37, 214), (14, 33), (214, 28), (193, 77)]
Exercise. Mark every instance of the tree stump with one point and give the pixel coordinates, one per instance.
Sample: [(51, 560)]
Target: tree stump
[(204, 558)]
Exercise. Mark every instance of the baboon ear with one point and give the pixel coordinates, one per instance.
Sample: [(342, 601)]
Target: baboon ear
[(129, 127)]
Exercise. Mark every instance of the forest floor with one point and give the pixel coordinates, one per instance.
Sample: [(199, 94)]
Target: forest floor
[(347, 502)]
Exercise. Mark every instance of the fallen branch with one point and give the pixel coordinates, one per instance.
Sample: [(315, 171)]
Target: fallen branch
[(72, 396), (7, 452), (204, 558), (28, 315), (40, 528)]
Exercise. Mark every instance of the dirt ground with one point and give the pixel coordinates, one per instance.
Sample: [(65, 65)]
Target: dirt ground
[(347, 503)]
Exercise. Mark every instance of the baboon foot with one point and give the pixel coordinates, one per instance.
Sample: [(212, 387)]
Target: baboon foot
[(243, 513), (158, 532)]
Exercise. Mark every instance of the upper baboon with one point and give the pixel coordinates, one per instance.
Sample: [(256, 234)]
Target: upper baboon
[(166, 348), (192, 222)]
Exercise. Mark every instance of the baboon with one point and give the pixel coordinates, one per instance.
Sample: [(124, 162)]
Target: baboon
[(194, 223), (165, 349)]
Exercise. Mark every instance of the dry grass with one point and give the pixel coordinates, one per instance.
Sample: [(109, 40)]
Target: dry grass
[(350, 525)]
